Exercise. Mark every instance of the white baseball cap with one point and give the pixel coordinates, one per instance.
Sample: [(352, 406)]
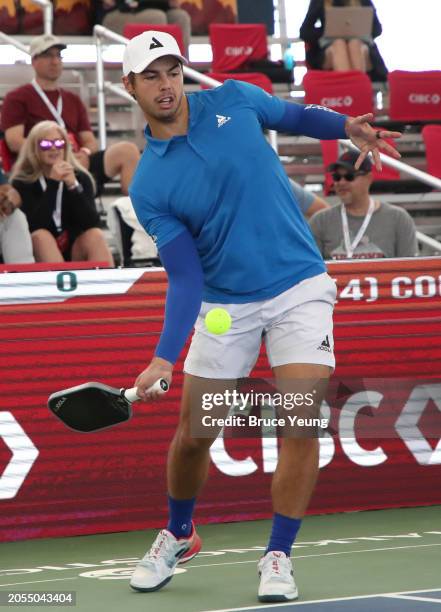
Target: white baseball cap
[(147, 47), (40, 44)]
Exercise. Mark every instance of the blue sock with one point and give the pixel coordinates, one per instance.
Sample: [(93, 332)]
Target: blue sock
[(180, 513), (283, 533)]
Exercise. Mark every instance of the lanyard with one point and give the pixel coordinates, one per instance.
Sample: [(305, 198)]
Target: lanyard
[(350, 247), (56, 112), (56, 215)]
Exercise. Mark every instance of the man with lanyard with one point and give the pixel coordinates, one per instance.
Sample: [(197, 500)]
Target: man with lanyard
[(215, 196), (361, 227), (43, 99)]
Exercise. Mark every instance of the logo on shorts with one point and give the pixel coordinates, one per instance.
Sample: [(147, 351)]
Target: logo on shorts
[(325, 345)]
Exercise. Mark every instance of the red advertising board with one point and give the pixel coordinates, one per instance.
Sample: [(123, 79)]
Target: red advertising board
[(63, 328)]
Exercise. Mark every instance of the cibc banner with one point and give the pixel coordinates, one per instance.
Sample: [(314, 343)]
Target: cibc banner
[(378, 426)]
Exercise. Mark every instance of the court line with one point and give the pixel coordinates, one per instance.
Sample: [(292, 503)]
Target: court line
[(37, 581), (413, 598), (312, 601), (342, 552), (330, 554)]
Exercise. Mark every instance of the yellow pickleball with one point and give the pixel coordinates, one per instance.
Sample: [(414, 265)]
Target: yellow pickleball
[(218, 321)]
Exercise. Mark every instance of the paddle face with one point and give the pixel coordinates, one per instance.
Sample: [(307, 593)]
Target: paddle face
[(90, 407)]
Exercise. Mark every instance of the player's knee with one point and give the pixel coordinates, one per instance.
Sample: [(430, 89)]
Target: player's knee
[(189, 445)]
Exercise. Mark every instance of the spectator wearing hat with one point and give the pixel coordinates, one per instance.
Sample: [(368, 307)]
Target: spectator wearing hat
[(361, 227), (43, 99)]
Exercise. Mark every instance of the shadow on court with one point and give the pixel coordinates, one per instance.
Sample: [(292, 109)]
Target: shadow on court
[(385, 560)]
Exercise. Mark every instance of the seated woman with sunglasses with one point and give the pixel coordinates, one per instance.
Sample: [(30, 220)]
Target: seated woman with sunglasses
[(57, 197)]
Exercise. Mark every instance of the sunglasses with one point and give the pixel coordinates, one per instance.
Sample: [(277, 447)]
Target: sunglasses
[(350, 176), (46, 145)]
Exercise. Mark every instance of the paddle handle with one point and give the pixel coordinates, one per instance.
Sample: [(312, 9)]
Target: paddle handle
[(160, 385)]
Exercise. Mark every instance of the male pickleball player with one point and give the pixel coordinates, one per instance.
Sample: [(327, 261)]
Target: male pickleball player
[(217, 200)]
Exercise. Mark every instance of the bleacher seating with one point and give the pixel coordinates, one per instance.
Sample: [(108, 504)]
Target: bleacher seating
[(415, 96), (255, 78), (131, 30), (432, 140), (243, 47), (346, 92), (301, 156)]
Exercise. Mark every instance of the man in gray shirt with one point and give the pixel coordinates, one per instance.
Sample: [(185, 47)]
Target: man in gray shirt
[(361, 227), (309, 203)]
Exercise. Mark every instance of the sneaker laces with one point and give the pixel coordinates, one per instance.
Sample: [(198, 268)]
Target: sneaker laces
[(278, 568), (160, 548)]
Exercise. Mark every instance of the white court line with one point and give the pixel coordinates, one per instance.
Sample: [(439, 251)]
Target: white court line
[(330, 554), (312, 601), (414, 598), (37, 581)]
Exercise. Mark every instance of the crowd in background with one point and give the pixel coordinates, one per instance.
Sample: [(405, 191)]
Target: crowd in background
[(47, 209)]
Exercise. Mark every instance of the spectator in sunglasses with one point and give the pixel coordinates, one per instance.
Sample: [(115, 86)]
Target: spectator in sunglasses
[(361, 227), (57, 196), (43, 99)]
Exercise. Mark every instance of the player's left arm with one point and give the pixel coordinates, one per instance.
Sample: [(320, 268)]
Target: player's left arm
[(320, 122), (325, 124)]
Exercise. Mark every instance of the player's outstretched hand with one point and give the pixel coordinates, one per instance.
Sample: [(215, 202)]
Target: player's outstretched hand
[(369, 140), (158, 368)]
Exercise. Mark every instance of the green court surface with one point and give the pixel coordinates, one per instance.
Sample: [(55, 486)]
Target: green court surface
[(337, 556)]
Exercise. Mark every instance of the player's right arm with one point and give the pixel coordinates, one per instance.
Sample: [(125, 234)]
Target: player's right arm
[(183, 302)]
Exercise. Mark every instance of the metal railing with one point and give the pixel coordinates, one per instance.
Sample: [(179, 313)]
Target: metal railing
[(48, 14), (424, 177), (11, 41), (100, 33)]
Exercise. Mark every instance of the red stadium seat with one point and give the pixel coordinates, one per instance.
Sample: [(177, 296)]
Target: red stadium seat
[(256, 78), (6, 156), (415, 96), (133, 29), (432, 140), (346, 92), (236, 44)]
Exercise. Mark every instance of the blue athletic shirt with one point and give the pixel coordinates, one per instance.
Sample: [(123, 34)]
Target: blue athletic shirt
[(224, 183)]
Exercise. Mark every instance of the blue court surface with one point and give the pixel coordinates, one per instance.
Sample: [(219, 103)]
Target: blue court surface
[(406, 601)]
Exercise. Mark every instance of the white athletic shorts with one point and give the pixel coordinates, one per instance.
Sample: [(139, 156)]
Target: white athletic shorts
[(296, 326)]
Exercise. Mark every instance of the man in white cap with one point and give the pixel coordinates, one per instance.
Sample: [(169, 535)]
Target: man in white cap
[(215, 196), (44, 99)]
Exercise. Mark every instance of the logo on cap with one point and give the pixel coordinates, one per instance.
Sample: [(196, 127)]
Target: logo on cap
[(155, 44)]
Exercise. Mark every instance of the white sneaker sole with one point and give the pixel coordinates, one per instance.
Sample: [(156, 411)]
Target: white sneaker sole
[(150, 589), (273, 597)]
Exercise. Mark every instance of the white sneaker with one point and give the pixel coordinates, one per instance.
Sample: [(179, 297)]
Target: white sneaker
[(158, 565), (276, 578)]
